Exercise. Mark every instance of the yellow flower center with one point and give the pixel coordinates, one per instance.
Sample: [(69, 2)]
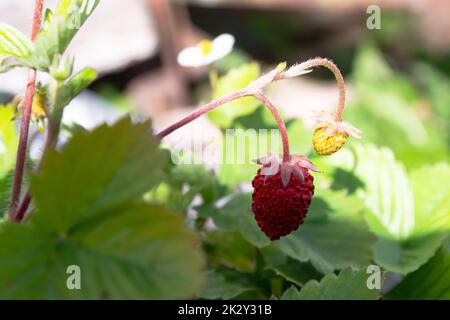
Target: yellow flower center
[(205, 47)]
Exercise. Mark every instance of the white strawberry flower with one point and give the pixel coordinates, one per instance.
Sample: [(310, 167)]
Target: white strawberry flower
[(206, 51)]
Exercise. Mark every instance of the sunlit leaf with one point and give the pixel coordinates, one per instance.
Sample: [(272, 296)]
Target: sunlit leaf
[(59, 29), (333, 236), (410, 216), (94, 171), (132, 251), (430, 281), (8, 139), (72, 87), (13, 43), (396, 112), (291, 294), (348, 285)]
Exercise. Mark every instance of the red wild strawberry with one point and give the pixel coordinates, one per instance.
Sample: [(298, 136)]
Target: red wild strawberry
[(282, 194)]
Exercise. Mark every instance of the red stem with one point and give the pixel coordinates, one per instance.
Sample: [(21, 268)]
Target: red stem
[(52, 135), (230, 97), (202, 110), (25, 123), (337, 74), (280, 123), (23, 207)]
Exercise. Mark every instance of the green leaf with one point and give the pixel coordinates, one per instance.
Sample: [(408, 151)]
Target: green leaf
[(5, 193), (188, 181), (132, 251), (411, 218), (59, 30), (86, 216), (236, 215), (234, 80), (94, 171), (431, 199), (295, 272), (437, 85), (231, 250), (8, 138), (430, 281), (392, 102), (9, 66), (348, 285), (333, 236), (225, 284), (291, 294), (70, 89), (387, 192), (13, 43), (446, 243)]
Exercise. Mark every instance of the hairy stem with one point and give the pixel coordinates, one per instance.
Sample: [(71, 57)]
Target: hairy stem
[(202, 110), (52, 135), (281, 126), (25, 123), (317, 62), (53, 127), (230, 97)]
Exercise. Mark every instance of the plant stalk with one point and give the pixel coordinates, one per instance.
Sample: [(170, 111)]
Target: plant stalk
[(202, 110), (53, 127), (52, 136), (230, 97), (281, 126), (317, 62), (25, 122)]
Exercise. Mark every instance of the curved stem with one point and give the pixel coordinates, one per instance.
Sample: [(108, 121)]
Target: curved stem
[(25, 122), (53, 127), (202, 110), (282, 127), (51, 140), (230, 97), (316, 62)]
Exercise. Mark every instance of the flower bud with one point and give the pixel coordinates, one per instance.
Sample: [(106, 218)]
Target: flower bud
[(62, 68)]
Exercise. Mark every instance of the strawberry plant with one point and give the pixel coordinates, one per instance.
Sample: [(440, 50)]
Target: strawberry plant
[(111, 204)]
